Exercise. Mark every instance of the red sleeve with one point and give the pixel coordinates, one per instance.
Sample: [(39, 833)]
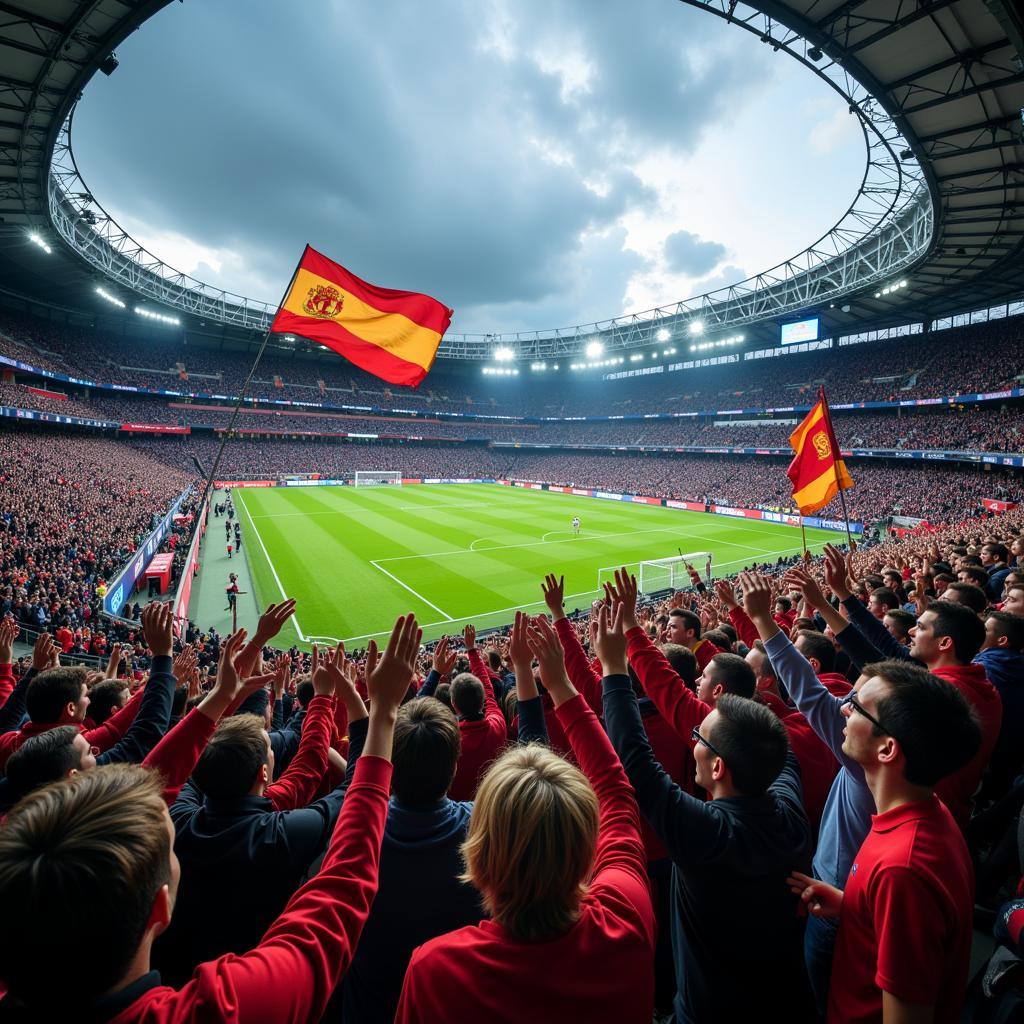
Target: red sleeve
[(584, 678), (912, 935), (114, 728), (289, 977), (9, 742), (745, 628), (619, 876), (300, 781), (6, 683), (178, 751), (339, 727), (675, 702)]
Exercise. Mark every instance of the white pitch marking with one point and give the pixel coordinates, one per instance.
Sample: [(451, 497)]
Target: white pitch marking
[(440, 611)]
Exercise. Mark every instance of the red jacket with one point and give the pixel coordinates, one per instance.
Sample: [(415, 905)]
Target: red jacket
[(7, 682), (957, 790), (482, 740), (601, 969)]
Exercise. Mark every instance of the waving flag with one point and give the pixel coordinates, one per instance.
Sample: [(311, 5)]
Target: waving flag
[(392, 334), (817, 471)]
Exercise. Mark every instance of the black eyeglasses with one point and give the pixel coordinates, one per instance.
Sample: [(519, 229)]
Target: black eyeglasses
[(851, 700), (697, 738)]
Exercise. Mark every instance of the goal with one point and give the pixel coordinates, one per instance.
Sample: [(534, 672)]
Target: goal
[(658, 574), (380, 478)]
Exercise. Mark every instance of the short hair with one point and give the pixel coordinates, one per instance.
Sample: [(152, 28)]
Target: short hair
[(818, 646), (718, 638), (41, 759), (735, 676), (683, 660), (426, 751), (784, 603), (510, 706), (752, 742), (884, 596), (931, 720), (904, 618), (467, 694), (971, 595), (961, 625), (52, 691), (304, 692), (232, 758), (86, 855), (104, 697), (494, 660), (178, 701), (691, 620), (1001, 551), (531, 842), (1009, 625), (976, 573), (443, 693), (729, 630)]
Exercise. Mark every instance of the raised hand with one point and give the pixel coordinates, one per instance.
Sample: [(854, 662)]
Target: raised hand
[(519, 646), (329, 672), (157, 628), (626, 591), (45, 653), (272, 620), (835, 572), (9, 631), (547, 649), (282, 675), (469, 637), (444, 659), (554, 595), (758, 599), (803, 581), (609, 641), (820, 898), (726, 594), (184, 662), (388, 679)]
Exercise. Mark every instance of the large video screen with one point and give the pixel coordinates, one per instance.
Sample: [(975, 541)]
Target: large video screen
[(802, 330)]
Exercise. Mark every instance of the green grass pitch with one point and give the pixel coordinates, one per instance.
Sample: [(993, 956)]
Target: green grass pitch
[(356, 558)]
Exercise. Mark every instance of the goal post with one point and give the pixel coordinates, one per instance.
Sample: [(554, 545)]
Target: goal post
[(657, 574), (378, 478)]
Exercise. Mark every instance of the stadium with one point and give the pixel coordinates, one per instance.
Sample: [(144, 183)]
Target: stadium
[(450, 509)]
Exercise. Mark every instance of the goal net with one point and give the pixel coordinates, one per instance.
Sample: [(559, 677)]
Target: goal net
[(380, 478), (658, 574)]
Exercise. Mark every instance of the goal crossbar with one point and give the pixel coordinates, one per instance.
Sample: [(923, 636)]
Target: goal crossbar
[(378, 478), (657, 574)]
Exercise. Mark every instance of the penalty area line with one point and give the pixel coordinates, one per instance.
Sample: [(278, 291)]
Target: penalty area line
[(406, 586)]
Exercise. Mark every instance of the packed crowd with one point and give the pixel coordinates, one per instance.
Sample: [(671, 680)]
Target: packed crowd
[(575, 820), (942, 363)]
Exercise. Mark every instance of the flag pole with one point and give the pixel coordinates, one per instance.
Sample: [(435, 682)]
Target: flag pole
[(208, 487), (835, 469)]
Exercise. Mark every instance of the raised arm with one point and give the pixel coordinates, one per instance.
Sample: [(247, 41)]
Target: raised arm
[(9, 630), (583, 677), (529, 707), (441, 665), (492, 712)]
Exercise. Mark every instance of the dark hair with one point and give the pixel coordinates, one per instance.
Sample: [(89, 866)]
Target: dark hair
[(232, 758), (1001, 551), (735, 676), (718, 638), (304, 692), (1011, 626), (818, 646), (178, 701), (784, 603), (902, 617), (104, 697), (426, 751), (90, 852), (691, 620), (961, 625), (931, 720), (729, 630), (683, 660), (41, 759), (52, 691), (971, 595), (884, 596), (467, 695), (976, 573), (752, 741), (443, 693), (494, 660)]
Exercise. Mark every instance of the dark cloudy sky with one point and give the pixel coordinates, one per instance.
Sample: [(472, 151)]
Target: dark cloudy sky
[(532, 163)]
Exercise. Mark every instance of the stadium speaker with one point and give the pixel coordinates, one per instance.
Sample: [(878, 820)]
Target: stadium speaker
[(108, 65), (815, 54)]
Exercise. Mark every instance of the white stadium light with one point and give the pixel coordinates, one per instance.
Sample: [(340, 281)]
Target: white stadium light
[(697, 327), (36, 239), (113, 299), (594, 349), (159, 317), (504, 354), (663, 334)]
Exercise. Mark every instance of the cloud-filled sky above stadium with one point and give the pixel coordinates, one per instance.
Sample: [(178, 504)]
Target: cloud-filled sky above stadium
[(532, 163)]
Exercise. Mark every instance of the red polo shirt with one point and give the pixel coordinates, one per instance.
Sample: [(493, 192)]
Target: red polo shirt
[(905, 926)]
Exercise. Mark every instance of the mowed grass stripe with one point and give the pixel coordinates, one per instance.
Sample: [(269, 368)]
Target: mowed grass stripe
[(323, 540)]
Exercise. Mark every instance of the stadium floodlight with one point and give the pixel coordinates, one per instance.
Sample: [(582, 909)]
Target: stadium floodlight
[(697, 327), (37, 239), (594, 349), (504, 354), (159, 317), (636, 357), (663, 334), (113, 299), (538, 366)]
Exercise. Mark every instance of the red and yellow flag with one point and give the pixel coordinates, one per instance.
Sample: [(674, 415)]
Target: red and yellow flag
[(392, 334), (817, 471)]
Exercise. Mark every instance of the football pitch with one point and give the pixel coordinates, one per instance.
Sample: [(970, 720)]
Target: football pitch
[(356, 558)]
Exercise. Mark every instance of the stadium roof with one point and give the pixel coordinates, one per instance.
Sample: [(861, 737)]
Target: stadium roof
[(948, 73)]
